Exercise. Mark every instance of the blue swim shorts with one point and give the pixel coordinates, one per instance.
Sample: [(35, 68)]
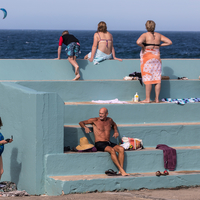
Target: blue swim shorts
[(73, 49)]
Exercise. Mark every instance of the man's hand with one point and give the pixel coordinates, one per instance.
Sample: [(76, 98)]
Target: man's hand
[(87, 130), (115, 135)]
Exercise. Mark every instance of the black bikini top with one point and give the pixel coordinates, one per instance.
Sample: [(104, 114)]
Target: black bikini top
[(145, 44)]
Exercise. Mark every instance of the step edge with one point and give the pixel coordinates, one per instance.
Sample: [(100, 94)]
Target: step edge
[(104, 176), (146, 124)]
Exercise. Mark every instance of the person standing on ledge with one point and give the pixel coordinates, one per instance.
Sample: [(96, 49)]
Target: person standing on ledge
[(150, 61), (72, 50), (2, 142), (104, 40), (101, 128)]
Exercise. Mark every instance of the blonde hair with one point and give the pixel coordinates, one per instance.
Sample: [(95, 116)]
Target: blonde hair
[(150, 26), (102, 27), (65, 32)]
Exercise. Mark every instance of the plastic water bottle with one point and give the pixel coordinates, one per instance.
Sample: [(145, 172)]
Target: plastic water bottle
[(136, 97)]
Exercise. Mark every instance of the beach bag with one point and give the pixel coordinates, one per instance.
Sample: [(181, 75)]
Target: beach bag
[(135, 143), (7, 186)]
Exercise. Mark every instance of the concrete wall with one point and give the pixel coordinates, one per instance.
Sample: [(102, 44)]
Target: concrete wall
[(35, 119), (110, 69), (123, 90)]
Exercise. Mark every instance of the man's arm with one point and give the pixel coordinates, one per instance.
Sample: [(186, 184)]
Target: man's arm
[(89, 121), (114, 126), (59, 48), (59, 52)]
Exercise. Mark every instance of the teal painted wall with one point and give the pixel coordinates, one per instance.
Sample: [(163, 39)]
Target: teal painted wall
[(34, 112), (35, 119), (171, 135), (110, 69), (76, 91)]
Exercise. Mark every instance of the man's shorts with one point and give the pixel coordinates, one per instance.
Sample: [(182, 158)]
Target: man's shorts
[(73, 49), (102, 145)]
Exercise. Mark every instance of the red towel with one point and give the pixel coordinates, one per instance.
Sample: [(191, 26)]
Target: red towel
[(169, 155)]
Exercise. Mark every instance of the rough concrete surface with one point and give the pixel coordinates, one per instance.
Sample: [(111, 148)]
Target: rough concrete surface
[(191, 193)]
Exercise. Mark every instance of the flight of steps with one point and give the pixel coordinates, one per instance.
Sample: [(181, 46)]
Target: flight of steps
[(174, 125)]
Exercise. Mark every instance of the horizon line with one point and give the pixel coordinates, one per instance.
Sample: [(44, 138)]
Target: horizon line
[(96, 30)]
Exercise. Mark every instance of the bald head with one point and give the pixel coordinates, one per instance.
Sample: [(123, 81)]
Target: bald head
[(103, 112)]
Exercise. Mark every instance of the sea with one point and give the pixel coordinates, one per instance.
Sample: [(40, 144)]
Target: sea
[(43, 44)]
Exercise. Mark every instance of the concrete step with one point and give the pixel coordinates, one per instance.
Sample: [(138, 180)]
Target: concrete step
[(137, 113), (50, 69), (57, 185), (146, 160), (171, 134), (88, 90)]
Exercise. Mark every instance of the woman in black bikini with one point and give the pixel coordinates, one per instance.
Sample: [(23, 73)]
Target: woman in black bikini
[(150, 61)]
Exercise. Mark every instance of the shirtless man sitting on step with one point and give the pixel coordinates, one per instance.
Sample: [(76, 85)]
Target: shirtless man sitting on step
[(101, 128)]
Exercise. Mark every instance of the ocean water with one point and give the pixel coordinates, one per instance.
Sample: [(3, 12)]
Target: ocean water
[(43, 44)]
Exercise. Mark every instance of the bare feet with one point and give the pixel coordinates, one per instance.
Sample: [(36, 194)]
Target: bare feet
[(156, 101), (124, 173), (77, 71), (77, 77), (145, 101)]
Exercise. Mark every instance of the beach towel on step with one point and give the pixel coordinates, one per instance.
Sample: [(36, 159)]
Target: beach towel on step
[(100, 56), (169, 155)]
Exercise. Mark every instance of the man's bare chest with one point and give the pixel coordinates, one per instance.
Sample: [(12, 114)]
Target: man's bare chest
[(102, 126)]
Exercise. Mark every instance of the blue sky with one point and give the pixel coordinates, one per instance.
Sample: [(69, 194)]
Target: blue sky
[(170, 15)]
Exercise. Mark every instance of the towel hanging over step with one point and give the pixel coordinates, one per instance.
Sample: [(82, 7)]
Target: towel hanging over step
[(169, 155)]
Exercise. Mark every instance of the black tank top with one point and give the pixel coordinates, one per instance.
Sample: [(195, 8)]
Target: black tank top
[(68, 38)]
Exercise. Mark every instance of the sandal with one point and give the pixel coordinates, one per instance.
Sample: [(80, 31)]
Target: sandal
[(183, 78), (158, 173), (110, 172), (165, 173)]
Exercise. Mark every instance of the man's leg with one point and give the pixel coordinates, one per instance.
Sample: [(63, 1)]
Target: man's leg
[(115, 159), (72, 60), (120, 151), (157, 91)]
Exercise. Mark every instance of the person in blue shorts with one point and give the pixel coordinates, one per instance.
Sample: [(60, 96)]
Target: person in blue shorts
[(2, 142), (72, 50)]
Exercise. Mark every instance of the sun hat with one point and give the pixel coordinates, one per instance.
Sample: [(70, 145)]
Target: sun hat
[(84, 144)]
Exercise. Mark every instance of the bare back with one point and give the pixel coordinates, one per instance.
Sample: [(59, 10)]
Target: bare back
[(105, 42), (153, 38)]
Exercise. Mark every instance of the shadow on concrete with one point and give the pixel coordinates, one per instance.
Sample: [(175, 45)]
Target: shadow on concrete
[(83, 65), (15, 167)]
